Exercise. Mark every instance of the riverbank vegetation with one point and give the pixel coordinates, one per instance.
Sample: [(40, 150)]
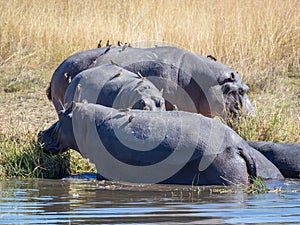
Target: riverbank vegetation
[(259, 39)]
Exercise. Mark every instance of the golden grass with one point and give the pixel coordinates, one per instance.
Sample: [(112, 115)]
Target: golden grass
[(259, 39), (258, 33)]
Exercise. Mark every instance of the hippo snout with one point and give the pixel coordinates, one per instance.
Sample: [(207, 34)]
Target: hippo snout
[(236, 99), (48, 140)]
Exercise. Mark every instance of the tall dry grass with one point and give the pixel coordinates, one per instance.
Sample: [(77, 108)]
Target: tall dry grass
[(260, 39), (246, 34)]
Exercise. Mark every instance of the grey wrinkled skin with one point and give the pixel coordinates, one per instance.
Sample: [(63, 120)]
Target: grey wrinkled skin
[(113, 86), (285, 156), (234, 162), (191, 82), (67, 70)]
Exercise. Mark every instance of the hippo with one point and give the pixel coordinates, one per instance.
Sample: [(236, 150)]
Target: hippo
[(285, 156), (112, 86), (192, 82), (68, 69), (171, 147)]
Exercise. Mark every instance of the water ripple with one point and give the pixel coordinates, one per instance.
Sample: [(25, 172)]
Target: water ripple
[(87, 201)]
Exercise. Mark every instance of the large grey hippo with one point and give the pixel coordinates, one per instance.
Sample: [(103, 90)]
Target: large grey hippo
[(285, 156), (112, 86), (191, 82), (157, 147)]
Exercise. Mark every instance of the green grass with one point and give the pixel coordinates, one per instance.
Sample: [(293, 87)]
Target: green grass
[(257, 186), (22, 156)]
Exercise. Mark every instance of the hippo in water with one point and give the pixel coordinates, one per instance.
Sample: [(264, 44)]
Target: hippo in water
[(172, 147), (191, 82), (112, 86), (285, 156)]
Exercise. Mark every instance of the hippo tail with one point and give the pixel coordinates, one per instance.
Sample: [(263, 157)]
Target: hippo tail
[(48, 92)]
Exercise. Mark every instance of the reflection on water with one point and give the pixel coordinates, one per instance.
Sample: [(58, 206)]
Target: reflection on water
[(84, 201)]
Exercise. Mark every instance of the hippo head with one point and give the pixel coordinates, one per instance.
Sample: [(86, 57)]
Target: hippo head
[(149, 98), (235, 95), (59, 137)]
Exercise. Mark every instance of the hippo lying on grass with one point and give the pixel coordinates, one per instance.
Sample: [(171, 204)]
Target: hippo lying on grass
[(191, 82), (112, 86), (286, 157), (157, 147), (68, 69)]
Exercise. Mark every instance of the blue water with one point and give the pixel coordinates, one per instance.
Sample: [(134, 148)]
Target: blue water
[(88, 201)]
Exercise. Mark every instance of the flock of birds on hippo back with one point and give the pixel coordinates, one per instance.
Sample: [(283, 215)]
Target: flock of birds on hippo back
[(129, 89)]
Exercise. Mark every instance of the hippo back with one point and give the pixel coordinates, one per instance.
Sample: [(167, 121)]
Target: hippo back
[(165, 147), (286, 156), (112, 86)]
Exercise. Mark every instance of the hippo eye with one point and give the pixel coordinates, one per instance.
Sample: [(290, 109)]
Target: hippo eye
[(242, 91)]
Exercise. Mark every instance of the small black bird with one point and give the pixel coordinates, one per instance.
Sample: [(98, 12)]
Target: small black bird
[(212, 57), (99, 44), (120, 43), (131, 117)]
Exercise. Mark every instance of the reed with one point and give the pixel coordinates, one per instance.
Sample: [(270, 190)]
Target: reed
[(259, 39)]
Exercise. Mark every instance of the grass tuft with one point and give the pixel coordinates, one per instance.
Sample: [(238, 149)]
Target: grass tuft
[(257, 186), (23, 157)]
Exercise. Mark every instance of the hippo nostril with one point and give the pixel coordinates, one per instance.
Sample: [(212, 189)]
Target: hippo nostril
[(236, 105), (226, 88)]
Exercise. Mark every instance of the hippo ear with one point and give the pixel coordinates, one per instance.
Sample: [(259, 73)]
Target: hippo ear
[(232, 76)]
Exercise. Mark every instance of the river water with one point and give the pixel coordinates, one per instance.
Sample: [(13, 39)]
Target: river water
[(88, 201)]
